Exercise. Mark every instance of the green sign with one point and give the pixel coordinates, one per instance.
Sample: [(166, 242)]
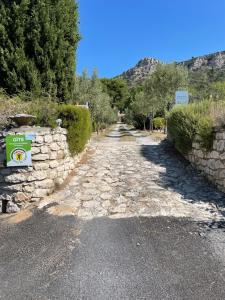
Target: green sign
[(18, 150)]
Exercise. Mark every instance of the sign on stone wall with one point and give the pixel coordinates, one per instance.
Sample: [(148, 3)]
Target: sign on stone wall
[(18, 150)]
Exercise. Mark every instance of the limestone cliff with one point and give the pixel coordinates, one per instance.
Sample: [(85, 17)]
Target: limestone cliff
[(145, 67)]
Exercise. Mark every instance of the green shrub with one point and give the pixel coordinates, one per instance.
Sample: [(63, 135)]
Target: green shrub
[(46, 112), (187, 121), (77, 121), (159, 123), (182, 127), (205, 131)]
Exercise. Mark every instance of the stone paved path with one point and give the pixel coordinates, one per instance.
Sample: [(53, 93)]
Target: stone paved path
[(129, 175)]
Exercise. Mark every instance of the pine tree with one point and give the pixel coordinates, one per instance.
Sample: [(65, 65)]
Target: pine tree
[(38, 40)]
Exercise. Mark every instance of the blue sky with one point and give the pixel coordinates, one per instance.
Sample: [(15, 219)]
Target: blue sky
[(116, 34)]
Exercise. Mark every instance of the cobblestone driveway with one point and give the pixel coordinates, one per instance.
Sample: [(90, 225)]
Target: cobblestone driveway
[(128, 175)]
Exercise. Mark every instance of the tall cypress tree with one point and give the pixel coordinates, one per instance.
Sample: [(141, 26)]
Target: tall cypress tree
[(38, 40)]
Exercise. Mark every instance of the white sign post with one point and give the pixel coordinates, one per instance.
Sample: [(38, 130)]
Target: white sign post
[(182, 97)]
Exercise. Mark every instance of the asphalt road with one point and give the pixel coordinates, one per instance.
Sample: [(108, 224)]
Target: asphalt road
[(44, 255), (49, 257)]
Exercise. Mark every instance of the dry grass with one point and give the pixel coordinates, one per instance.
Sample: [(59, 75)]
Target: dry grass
[(217, 113), (127, 138), (101, 134), (9, 107), (158, 136)]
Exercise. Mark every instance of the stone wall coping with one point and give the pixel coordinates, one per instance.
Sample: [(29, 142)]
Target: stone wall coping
[(217, 129), (34, 129)]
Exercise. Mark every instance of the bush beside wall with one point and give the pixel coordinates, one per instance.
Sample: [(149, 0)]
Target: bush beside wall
[(77, 121), (187, 121)]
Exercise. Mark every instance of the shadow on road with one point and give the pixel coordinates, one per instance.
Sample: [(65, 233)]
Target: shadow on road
[(122, 131), (180, 176)]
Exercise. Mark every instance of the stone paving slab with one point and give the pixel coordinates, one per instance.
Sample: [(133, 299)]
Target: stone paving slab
[(139, 177)]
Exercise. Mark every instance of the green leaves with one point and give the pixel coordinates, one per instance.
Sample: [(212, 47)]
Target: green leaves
[(118, 92), (78, 123), (187, 121), (91, 90), (38, 40)]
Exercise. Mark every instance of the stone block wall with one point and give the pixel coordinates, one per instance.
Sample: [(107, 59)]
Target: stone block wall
[(212, 163), (52, 163)]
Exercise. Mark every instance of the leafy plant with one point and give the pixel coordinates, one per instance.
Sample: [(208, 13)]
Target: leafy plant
[(91, 90), (182, 126), (159, 123), (187, 121), (38, 40), (205, 131), (77, 121), (156, 95)]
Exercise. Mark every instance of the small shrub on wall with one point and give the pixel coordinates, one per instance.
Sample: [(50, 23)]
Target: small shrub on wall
[(182, 128), (77, 121), (46, 112), (187, 121)]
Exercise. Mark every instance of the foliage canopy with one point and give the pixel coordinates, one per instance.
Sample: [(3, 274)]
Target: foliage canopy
[(38, 40)]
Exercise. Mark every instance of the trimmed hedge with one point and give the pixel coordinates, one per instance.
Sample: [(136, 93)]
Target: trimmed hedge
[(187, 121), (182, 129), (77, 121)]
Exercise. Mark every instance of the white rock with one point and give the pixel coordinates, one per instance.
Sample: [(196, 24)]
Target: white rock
[(22, 197), (29, 188), (45, 149), (45, 184), (54, 147), (15, 178), (39, 139), (41, 166), (40, 193), (53, 164), (59, 181), (37, 175), (53, 155), (48, 138), (221, 145), (35, 150), (53, 174), (12, 207), (39, 157)]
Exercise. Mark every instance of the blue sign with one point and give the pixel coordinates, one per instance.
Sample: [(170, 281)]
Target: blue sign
[(182, 97)]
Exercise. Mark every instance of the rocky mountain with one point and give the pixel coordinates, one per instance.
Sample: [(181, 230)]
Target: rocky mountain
[(145, 67)]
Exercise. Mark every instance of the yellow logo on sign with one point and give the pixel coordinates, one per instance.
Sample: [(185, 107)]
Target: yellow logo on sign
[(19, 155)]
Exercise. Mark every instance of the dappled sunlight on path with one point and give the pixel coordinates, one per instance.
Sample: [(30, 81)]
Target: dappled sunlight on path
[(136, 177)]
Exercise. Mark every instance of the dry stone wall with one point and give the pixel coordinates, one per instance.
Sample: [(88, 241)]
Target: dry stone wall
[(212, 163), (51, 164)]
